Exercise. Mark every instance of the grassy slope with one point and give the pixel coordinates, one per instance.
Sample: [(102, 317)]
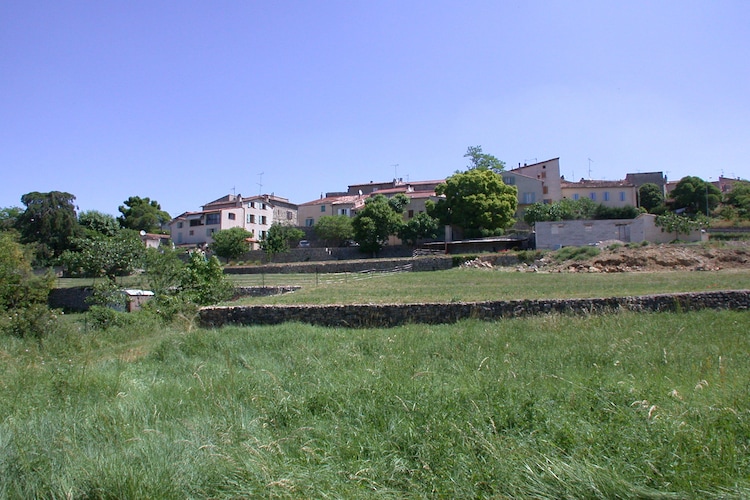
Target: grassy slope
[(652, 405)]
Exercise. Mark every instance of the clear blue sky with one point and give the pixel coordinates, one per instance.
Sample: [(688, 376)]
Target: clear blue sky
[(185, 101)]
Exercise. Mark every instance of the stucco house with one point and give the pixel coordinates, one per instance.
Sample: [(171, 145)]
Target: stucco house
[(255, 214), (609, 193), (547, 173)]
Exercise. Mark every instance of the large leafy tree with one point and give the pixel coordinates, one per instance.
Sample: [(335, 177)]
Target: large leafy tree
[(377, 220), (19, 287), (681, 224), (279, 239), (8, 217), (695, 195), (49, 223), (142, 214), (651, 196), (334, 229), (105, 256), (421, 226), (482, 160), (96, 223), (231, 243), (739, 198), (477, 201)]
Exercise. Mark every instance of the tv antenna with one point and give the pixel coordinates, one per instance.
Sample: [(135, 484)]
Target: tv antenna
[(395, 170), (260, 183), (590, 162)]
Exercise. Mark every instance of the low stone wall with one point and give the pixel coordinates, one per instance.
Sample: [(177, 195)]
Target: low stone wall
[(389, 315), (262, 291)]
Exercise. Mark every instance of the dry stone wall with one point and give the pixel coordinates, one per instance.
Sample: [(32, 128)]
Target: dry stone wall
[(389, 315)]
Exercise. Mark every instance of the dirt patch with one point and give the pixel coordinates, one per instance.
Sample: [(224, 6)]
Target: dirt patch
[(618, 258)]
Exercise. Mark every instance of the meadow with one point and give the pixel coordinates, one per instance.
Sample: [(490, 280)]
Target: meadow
[(624, 405)]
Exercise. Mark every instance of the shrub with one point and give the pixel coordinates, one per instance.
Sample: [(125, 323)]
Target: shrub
[(576, 253), (35, 321)]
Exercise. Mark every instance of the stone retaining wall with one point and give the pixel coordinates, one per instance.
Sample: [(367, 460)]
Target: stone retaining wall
[(388, 315), (433, 263)]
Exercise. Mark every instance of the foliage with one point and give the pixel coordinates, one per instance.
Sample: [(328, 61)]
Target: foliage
[(334, 229), (583, 208), (680, 224), (203, 281), (376, 221), (118, 255), (650, 196), (576, 253), (483, 161), (49, 223), (477, 201), (627, 212), (19, 287), (695, 195), (96, 223), (106, 293), (739, 199), (419, 227), (231, 243), (279, 239), (8, 217), (164, 270), (142, 214)]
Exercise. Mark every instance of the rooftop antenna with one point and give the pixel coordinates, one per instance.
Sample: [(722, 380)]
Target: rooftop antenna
[(590, 162), (395, 170), (260, 183), (234, 191)]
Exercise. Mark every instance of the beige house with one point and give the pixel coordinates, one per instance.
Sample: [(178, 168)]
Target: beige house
[(255, 214), (608, 193), (546, 172)]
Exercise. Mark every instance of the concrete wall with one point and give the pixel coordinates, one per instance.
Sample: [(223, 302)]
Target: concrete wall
[(388, 315)]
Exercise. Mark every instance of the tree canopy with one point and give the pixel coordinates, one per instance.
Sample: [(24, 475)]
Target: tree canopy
[(142, 214), (279, 239), (49, 223), (421, 226), (231, 243), (583, 208), (110, 256), (19, 287), (483, 161), (651, 196), (739, 198), (377, 220), (695, 195), (477, 201), (96, 223), (334, 229)]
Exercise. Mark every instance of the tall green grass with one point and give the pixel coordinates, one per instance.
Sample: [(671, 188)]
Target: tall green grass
[(613, 406)]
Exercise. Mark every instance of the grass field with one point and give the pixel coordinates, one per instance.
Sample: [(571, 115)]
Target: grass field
[(469, 285), (625, 406)]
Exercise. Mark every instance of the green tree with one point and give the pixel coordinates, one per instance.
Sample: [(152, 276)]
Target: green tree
[(8, 217), (651, 196), (680, 224), (739, 198), (567, 209), (696, 195), (279, 239), (377, 220), (483, 161), (202, 280), (19, 287), (96, 223), (98, 256), (477, 201), (334, 229), (231, 243), (49, 223), (142, 214), (421, 226)]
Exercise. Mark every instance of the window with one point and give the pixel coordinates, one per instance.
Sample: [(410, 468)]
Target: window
[(411, 213), (210, 231), (231, 215), (212, 219), (509, 180), (309, 222), (544, 175), (251, 204), (191, 232), (528, 198), (344, 211), (179, 238), (622, 195), (263, 235), (289, 215), (262, 206), (250, 219), (263, 220), (322, 208), (545, 189), (195, 222), (575, 197), (592, 196), (179, 225), (606, 195)]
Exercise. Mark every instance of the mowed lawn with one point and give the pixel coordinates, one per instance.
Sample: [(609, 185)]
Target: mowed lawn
[(470, 285), (653, 405)]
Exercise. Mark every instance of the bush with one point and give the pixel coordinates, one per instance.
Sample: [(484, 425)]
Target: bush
[(576, 253), (35, 321), (529, 256)]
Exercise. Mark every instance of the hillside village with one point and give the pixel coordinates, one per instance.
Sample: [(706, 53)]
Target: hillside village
[(537, 182)]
